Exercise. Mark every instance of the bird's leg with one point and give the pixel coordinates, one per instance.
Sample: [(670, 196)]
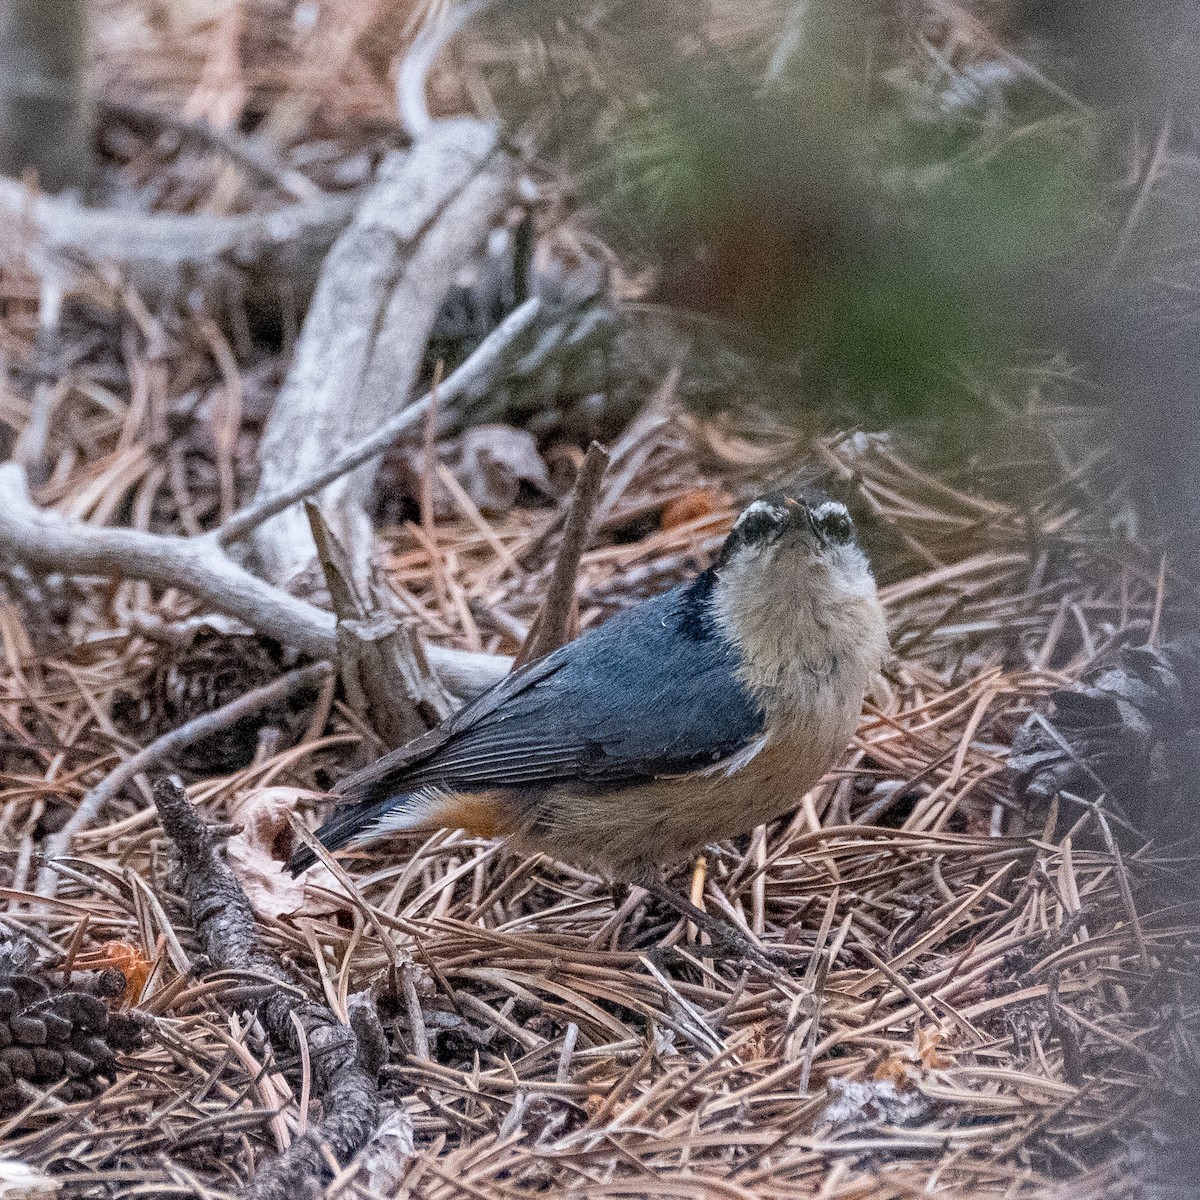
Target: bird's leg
[(717, 928)]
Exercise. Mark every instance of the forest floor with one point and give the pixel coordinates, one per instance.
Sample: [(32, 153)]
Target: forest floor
[(984, 990)]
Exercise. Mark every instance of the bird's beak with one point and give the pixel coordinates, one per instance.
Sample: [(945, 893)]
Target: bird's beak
[(801, 516)]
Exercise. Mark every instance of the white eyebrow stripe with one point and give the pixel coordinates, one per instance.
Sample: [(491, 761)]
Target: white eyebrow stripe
[(762, 506), (829, 507)]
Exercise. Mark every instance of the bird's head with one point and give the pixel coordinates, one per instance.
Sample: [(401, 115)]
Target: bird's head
[(794, 589), (781, 537)]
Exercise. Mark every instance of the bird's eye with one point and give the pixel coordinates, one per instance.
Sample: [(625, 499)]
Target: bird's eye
[(758, 526), (836, 525), (762, 522)]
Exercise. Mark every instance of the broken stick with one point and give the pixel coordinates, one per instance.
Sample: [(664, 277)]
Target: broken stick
[(560, 609)]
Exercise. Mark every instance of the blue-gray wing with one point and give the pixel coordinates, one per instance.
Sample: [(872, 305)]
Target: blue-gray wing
[(653, 691)]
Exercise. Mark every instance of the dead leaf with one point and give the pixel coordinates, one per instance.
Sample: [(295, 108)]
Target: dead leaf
[(258, 853), (926, 1043), (494, 461), (903, 1067), (130, 961), (691, 506), (894, 1069)]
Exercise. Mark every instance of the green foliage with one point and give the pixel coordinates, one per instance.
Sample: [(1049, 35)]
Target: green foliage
[(884, 223)]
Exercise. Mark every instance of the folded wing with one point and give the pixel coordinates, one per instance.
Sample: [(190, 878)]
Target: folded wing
[(654, 691)]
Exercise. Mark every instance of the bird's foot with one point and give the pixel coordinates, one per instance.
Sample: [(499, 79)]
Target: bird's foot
[(741, 947), (725, 934)]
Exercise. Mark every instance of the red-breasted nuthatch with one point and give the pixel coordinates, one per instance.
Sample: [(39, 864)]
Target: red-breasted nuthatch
[(692, 717)]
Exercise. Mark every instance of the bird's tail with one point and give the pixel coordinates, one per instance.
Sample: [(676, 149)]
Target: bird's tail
[(379, 811), (357, 822)]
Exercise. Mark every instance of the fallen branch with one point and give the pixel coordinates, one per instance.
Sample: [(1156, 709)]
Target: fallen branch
[(47, 542), (343, 1066), (560, 610), (166, 254), (162, 749), (363, 341), (360, 351)]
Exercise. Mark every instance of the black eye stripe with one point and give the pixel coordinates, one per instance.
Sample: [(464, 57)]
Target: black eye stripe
[(769, 517)]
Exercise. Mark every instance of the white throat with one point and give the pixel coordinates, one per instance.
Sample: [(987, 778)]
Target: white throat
[(808, 630)]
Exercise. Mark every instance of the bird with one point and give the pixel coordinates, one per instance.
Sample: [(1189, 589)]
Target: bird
[(687, 719)]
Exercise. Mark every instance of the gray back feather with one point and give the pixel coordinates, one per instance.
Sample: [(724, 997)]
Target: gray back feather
[(652, 691)]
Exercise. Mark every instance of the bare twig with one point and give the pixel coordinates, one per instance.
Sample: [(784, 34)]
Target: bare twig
[(341, 1079), (435, 34), (552, 627), (461, 382), (1145, 191), (58, 844), (791, 41), (742, 943), (30, 449)]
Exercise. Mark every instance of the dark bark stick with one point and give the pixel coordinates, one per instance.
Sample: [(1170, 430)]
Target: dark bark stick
[(552, 627), (254, 157), (341, 1079)]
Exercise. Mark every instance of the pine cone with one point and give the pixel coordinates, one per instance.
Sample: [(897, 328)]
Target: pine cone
[(214, 670), (1132, 733), (48, 1034)]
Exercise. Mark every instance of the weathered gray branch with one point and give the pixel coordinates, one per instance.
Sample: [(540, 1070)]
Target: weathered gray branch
[(482, 363), (359, 354), (439, 29), (364, 338), (48, 542), (381, 661), (166, 254)]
